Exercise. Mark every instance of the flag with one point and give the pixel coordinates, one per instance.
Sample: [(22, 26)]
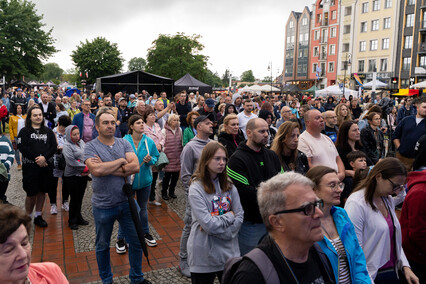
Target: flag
[(87, 74), (81, 74), (357, 79)]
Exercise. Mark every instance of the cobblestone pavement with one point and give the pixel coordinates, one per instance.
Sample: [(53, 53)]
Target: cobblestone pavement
[(84, 238)]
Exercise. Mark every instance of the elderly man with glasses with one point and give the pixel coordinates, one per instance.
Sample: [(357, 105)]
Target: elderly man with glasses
[(291, 213)]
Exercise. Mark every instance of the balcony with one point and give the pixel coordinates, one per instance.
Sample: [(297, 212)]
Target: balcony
[(323, 40), (323, 56), (324, 23), (422, 48)]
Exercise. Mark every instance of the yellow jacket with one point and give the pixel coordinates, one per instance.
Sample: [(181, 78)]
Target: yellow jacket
[(13, 125)]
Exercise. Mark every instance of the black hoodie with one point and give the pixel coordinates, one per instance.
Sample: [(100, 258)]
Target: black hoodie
[(247, 169)]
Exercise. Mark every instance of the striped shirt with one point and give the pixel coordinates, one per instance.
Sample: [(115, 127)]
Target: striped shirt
[(6, 153), (344, 273)]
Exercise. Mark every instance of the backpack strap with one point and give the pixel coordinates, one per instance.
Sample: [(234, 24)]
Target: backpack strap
[(265, 265)]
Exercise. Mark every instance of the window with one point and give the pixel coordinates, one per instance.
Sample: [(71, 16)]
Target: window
[(362, 46), (314, 67), (361, 65), (300, 37), (291, 24), (364, 27), (384, 64), (411, 2), (330, 66), (385, 43), (422, 61), (316, 51), (364, 8), (307, 37), (324, 35), (292, 39), (316, 35), (346, 29), (345, 47), (376, 5), (333, 32), (387, 23), (408, 42), (348, 11), (388, 4), (332, 49), (304, 21), (373, 44), (410, 20), (406, 63), (375, 25), (371, 65), (333, 15)]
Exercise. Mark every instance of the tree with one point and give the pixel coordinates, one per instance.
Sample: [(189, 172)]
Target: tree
[(51, 71), (174, 56), (98, 58), (225, 78), (136, 63), (267, 79), (247, 76), (213, 79), (23, 41), (70, 75)]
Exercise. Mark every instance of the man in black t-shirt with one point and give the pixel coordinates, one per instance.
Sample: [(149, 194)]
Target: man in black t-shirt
[(291, 212), (330, 128)]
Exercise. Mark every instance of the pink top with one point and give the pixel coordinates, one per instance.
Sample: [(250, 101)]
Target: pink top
[(391, 262), (46, 273), (87, 128)]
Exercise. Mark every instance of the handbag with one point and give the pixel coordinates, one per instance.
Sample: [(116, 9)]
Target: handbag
[(3, 173), (162, 161)]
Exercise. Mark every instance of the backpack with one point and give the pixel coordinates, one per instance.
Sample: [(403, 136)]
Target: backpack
[(260, 259)]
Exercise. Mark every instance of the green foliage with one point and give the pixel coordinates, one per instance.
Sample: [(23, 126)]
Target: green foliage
[(174, 56), (213, 79), (137, 63), (98, 57), (23, 42), (247, 76), (267, 79), (225, 78), (51, 71)]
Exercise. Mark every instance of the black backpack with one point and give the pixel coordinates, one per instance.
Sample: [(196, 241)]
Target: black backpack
[(258, 257)]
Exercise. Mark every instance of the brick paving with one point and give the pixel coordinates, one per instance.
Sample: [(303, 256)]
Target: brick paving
[(74, 251)]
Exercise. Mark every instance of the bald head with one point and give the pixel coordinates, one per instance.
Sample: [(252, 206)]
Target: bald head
[(314, 121), (255, 123)]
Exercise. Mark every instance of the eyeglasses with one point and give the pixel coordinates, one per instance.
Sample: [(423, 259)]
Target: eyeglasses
[(336, 186), (396, 186), (308, 209)]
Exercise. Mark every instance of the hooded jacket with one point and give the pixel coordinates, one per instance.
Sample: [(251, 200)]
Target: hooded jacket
[(73, 153), (413, 218), (230, 141), (144, 177), (189, 157), (247, 169)]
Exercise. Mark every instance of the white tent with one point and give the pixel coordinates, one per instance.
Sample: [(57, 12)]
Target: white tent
[(246, 88), (379, 84), (420, 85), (269, 88), (335, 90)]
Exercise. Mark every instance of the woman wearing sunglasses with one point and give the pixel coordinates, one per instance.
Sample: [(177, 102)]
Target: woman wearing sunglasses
[(340, 242), (371, 209)]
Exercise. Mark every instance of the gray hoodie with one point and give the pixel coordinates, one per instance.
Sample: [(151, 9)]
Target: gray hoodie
[(189, 157), (74, 154), (214, 229)]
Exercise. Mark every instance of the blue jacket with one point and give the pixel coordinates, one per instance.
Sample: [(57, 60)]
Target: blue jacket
[(354, 253), (144, 177), (79, 121)]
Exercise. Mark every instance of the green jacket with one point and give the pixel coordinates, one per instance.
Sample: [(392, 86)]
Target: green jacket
[(188, 134)]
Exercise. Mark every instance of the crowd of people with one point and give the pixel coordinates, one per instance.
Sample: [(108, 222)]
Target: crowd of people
[(306, 185)]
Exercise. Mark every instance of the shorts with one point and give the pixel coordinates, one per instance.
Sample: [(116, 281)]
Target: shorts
[(38, 180)]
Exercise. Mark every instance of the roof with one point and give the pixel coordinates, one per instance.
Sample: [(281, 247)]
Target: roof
[(188, 80)]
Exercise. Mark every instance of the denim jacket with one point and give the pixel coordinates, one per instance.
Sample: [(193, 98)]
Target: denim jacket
[(354, 253)]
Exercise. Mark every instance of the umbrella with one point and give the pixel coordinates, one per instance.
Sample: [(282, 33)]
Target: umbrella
[(69, 92), (379, 84), (420, 85), (406, 92), (127, 189), (269, 88)]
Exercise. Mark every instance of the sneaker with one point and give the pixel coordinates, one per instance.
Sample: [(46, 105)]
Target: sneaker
[(120, 247), (73, 226), (173, 196), (184, 268), (19, 167), (165, 197), (66, 206), (149, 240), (39, 221), (156, 203), (53, 209)]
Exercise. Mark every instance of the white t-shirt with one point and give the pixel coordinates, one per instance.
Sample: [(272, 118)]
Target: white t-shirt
[(242, 121), (321, 150)]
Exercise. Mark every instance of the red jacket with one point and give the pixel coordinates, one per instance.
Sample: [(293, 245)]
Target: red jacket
[(413, 218), (3, 111)]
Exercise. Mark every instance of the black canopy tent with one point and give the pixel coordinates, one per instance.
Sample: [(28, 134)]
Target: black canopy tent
[(190, 84), (135, 81)]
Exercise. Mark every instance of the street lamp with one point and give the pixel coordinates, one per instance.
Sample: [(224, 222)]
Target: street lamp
[(345, 65), (270, 69)]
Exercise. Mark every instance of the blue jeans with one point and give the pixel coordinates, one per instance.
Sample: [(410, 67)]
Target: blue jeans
[(18, 157), (187, 220), (142, 196), (104, 221), (249, 236)]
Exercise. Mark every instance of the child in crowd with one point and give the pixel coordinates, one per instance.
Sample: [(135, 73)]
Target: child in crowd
[(358, 161)]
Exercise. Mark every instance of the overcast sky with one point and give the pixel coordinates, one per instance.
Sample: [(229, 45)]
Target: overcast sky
[(237, 34)]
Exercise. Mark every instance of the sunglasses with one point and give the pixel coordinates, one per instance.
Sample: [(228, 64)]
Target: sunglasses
[(308, 209)]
